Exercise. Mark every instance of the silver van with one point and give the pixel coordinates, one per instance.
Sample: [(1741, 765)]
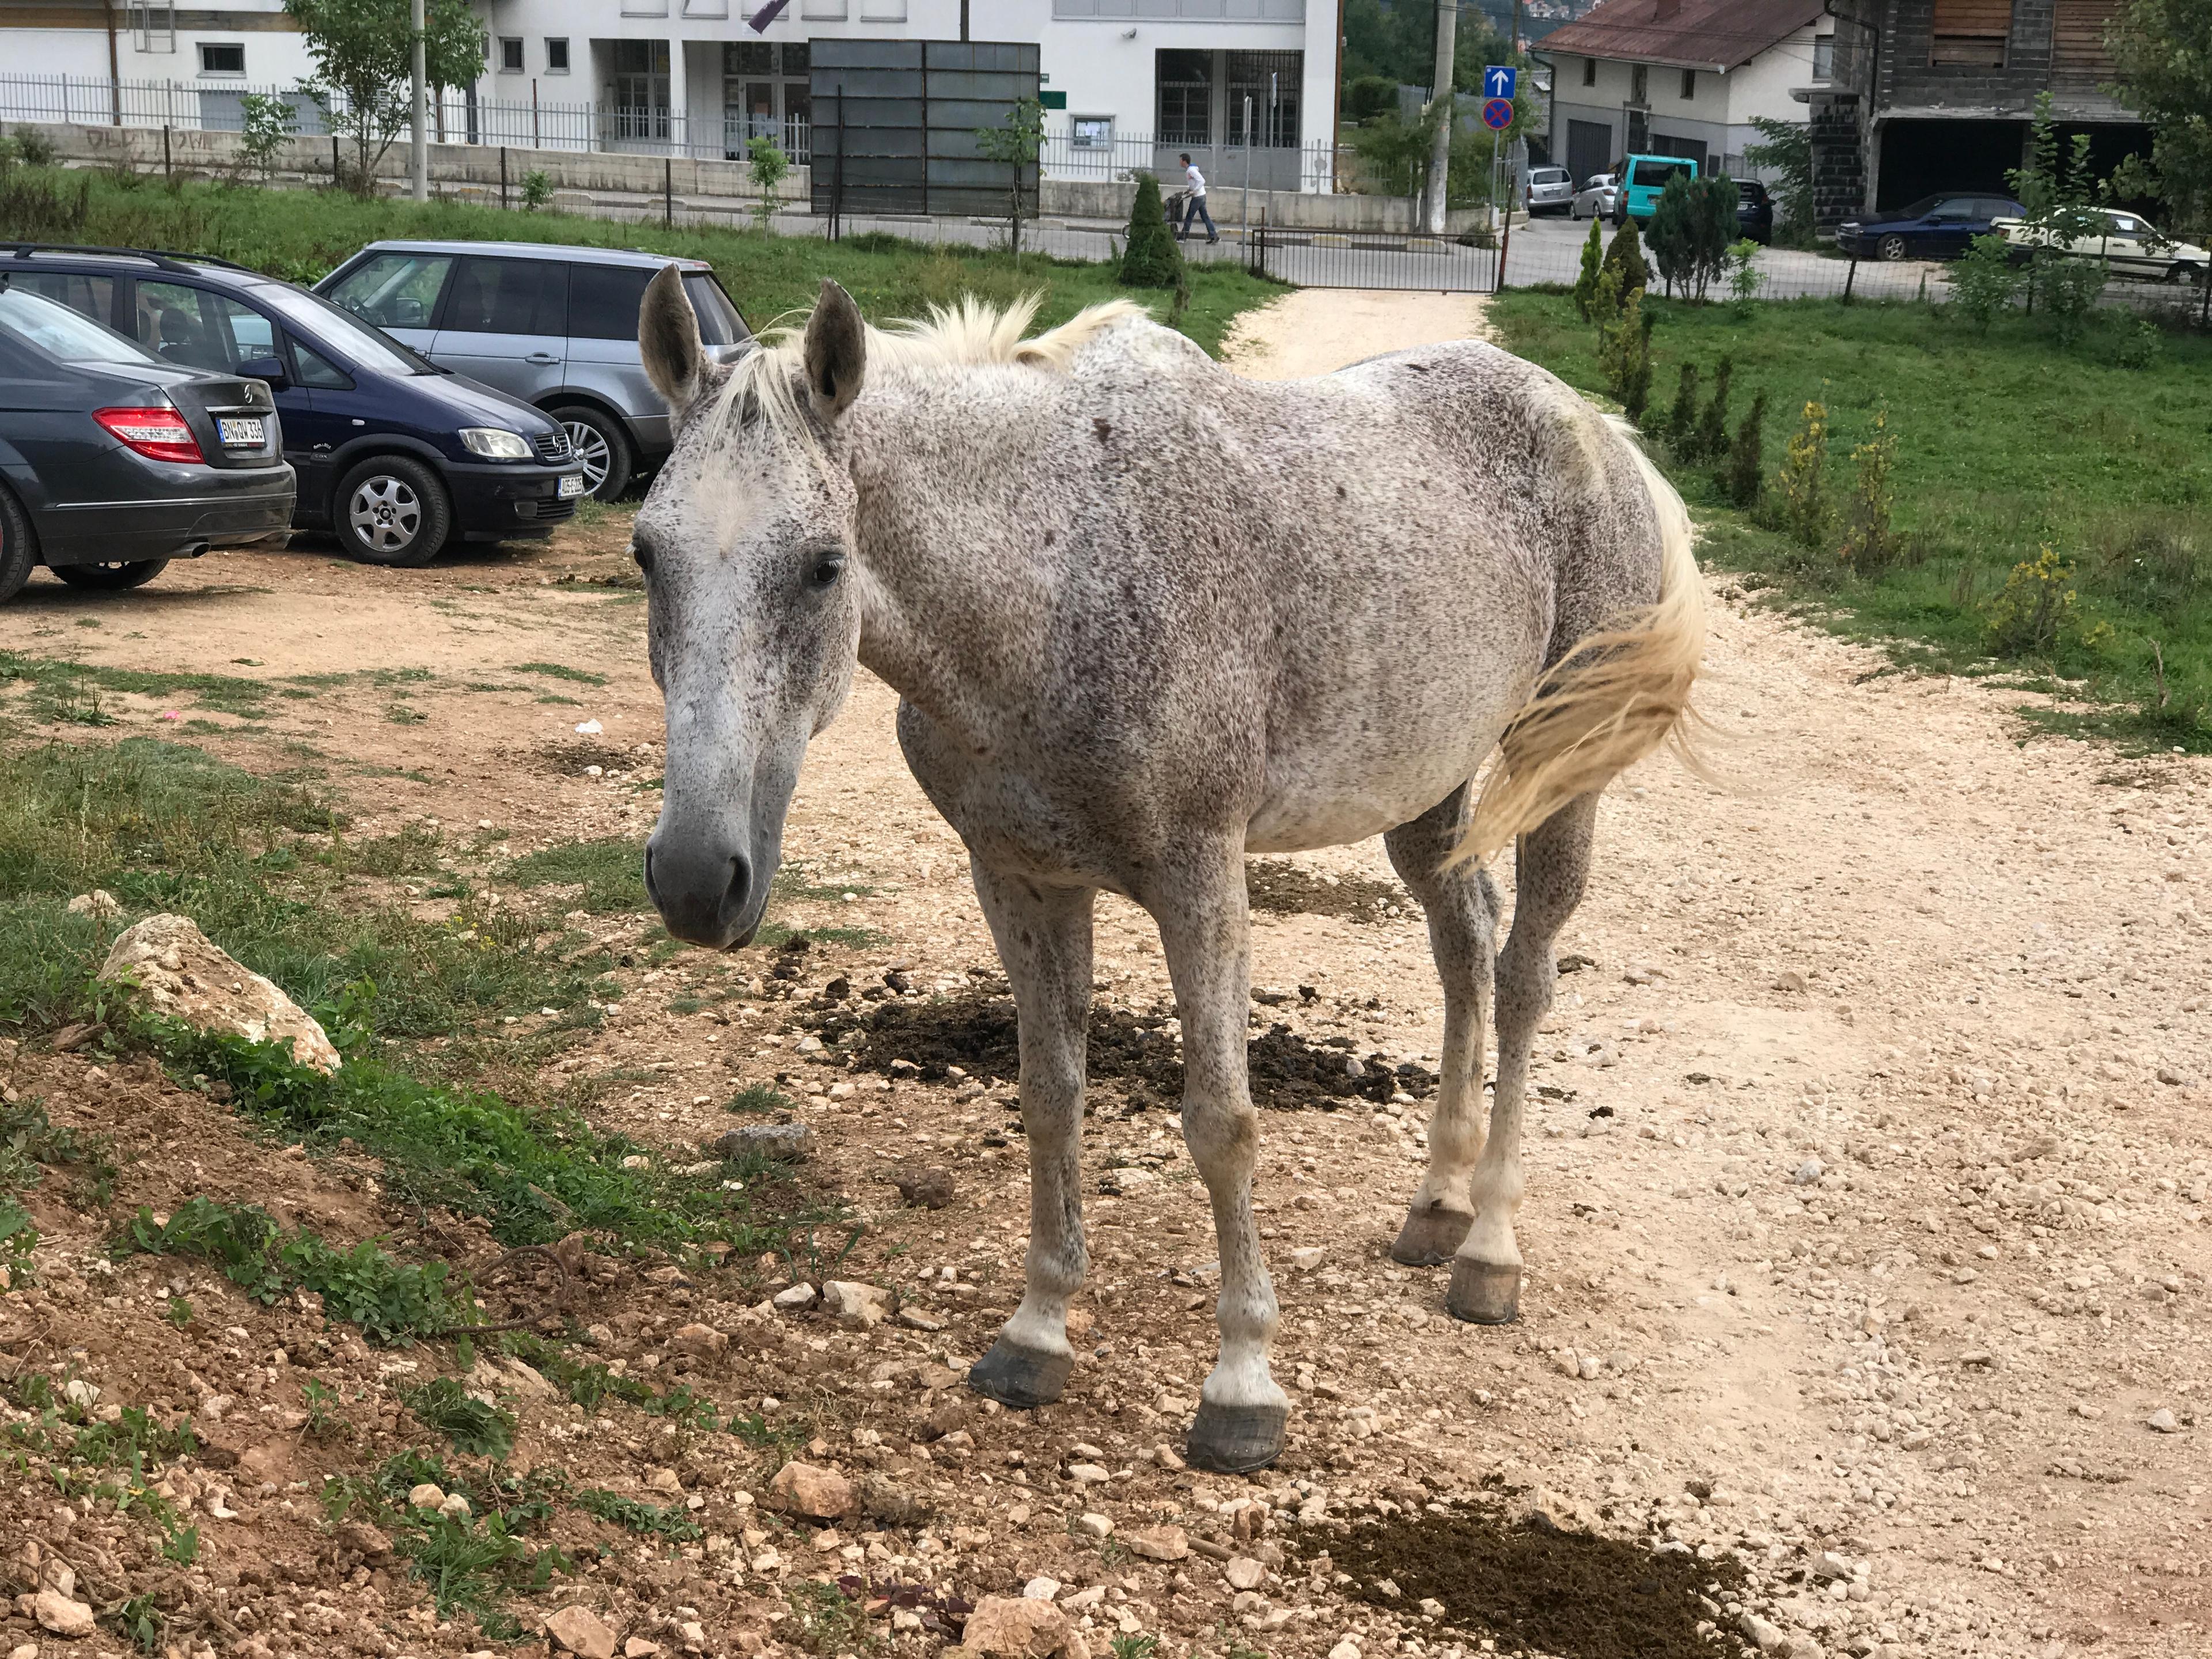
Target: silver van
[(554, 326)]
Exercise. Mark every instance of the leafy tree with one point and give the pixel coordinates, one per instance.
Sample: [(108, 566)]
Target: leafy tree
[(1151, 259), (1786, 150), (1017, 145), (1367, 96), (767, 166), (1691, 228), (2162, 53), (362, 54), (2057, 192), (1593, 257), (1669, 235), (1624, 343), (266, 128), (1869, 545)]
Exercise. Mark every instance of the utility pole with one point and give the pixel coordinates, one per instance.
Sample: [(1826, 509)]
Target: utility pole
[(420, 147), (1441, 100)]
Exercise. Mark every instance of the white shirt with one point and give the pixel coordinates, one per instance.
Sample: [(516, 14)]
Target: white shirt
[(1197, 179)]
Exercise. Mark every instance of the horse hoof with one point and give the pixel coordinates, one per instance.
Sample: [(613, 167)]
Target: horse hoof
[(1430, 1236), (1235, 1439), (1483, 1294), (1020, 1377)]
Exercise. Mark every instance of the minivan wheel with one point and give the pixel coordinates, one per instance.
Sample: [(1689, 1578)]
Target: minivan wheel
[(18, 547), (126, 573), (603, 447), (393, 511)]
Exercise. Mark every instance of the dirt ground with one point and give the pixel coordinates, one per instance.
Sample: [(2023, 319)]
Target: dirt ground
[(1866, 1222)]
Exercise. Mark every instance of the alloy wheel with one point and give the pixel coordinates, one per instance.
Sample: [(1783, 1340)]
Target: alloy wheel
[(591, 447), (386, 515)]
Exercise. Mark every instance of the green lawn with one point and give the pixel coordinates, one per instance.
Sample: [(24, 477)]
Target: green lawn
[(303, 234), (2007, 443)]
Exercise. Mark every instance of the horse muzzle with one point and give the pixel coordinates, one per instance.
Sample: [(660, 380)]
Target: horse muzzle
[(708, 891)]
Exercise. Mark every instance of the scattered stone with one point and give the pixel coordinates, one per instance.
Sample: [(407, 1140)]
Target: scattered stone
[(791, 1301), (930, 1188), (1767, 1636), (427, 1496), (788, 1141), (100, 904), (1021, 1627), (1158, 1543), (700, 1341), (884, 1500), (1307, 1257), (1089, 1474), (1806, 1173), (365, 1540), (1790, 979), (639, 1648), (2171, 1078), (856, 1304), (1097, 1525), (456, 1506), (1243, 1573), (818, 1493), (1828, 1565), (171, 967), (80, 1394), (582, 1632), (915, 1320), (1347, 1649), (61, 1615), (1041, 1588), (2162, 1421)]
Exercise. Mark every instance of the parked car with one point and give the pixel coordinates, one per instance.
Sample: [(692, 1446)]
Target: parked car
[(393, 454), (1598, 198), (1643, 178), (2130, 244), (1755, 211), (1551, 189), (1934, 227), (112, 462), (555, 326)]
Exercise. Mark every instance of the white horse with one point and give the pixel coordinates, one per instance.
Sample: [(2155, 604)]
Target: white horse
[(1146, 617)]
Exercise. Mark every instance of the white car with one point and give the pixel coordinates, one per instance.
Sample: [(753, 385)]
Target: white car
[(2132, 246), (1597, 198), (1551, 189)]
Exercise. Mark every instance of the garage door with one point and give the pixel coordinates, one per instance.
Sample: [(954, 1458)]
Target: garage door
[(1590, 149)]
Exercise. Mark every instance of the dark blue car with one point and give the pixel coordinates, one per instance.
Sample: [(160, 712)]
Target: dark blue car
[(1933, 228), (394, 455)]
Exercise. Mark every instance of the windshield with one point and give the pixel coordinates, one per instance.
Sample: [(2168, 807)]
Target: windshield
[(370, 349), (61, 333)]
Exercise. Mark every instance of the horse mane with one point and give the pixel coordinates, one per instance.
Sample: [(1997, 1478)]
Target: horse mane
[(971, 332)]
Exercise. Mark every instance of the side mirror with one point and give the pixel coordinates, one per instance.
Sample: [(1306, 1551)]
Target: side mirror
[(271, 369)]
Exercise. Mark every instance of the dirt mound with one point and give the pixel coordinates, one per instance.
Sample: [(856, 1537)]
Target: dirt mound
[(1530, 1586), (1139, 1052), (1283, 889)]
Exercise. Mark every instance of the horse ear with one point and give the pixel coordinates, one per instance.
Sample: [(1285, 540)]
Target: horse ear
[(668, 339), (836, 354)]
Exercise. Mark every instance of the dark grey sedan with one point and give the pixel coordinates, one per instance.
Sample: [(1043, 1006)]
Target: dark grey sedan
[(113, 462)]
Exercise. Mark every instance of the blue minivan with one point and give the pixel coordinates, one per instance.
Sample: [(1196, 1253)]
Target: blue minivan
[(1644, 180), (395, 456)]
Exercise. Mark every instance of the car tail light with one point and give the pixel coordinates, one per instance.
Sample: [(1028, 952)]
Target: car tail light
[(160, 435)]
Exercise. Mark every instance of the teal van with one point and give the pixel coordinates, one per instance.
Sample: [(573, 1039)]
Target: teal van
[(1643, 178)]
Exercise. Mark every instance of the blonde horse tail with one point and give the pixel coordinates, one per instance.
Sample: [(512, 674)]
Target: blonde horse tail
[(1614, 698)]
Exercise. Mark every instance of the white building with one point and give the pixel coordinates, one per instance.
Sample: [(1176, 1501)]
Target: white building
[(1681, 77), (1127, 83)]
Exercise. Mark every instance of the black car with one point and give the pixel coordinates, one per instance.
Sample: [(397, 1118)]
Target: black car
[(1755, 211), (395, 455), (1933, 228), (112, 462)]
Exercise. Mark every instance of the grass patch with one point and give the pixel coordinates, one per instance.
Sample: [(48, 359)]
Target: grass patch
[(2006, 443), (394, 1303), (554, 671), (68, 692), (475, 1429), (761, 1097), (611, 872), (649, 1520), (302, 234)]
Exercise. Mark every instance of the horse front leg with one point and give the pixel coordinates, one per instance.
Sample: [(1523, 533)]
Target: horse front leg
[(1043, 936), (1551, 867), (1205, 930)]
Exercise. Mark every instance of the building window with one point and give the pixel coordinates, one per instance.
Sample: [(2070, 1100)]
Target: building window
[(1091, 132), (222, 60), (556, 55), (510, 55), (1970, 33), (1589, 71), (1689, 85), (1639, 84), (1270, 80), (639, 90), (1824, 57), (765, 95), (1184, 85)]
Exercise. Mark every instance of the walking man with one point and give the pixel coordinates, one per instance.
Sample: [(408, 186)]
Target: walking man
[(1196, 206)]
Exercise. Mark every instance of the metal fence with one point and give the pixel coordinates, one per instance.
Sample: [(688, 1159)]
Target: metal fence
[(1372, 259)]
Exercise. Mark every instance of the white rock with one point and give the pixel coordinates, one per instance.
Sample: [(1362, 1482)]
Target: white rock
[(80, 1394), (1243, 1573), (1307, 1257), (99, 904), (61, 1615), (1347, 1649), (176, 972), (2163, 1421), (1088, 1474), (855, 1303), (428, 1496), (1806, 1173), (792, 1300), (1765, 1637), (1041, 1588), (1099, 1526)]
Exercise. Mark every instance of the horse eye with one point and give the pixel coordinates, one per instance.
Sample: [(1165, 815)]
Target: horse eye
[(642, 555), (827, 570)]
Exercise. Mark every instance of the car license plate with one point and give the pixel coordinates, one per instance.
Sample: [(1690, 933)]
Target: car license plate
[(572, 483), (248, 433)]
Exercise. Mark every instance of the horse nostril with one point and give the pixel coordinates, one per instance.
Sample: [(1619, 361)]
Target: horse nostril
[(741, 883)]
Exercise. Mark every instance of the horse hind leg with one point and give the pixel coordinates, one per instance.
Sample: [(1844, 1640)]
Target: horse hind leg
[(1463, 910), (1551, 870), (1043, 936)]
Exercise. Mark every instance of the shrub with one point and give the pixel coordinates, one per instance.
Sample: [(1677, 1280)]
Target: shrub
[(1626, 254), (33, 147), (1745, 469), (1367, 96), (2037, 600), (1710, 440), (537, 190), (1623, 345), (1800, 508), (766, 164), (1593, 257), (1985, 281), (1669, 235), (1744, 279), (1682, 419), (267, 128), (1869, 545), (1691, 230), (1150, 259)]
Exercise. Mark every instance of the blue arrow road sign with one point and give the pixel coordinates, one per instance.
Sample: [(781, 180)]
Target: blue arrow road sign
[(1498, 81), (1497, 115)]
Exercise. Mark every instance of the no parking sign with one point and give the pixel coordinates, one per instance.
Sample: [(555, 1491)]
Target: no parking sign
[(1497, 114)]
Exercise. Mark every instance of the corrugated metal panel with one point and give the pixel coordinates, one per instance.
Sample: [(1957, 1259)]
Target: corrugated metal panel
[(895, 122), (1730, 33)]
